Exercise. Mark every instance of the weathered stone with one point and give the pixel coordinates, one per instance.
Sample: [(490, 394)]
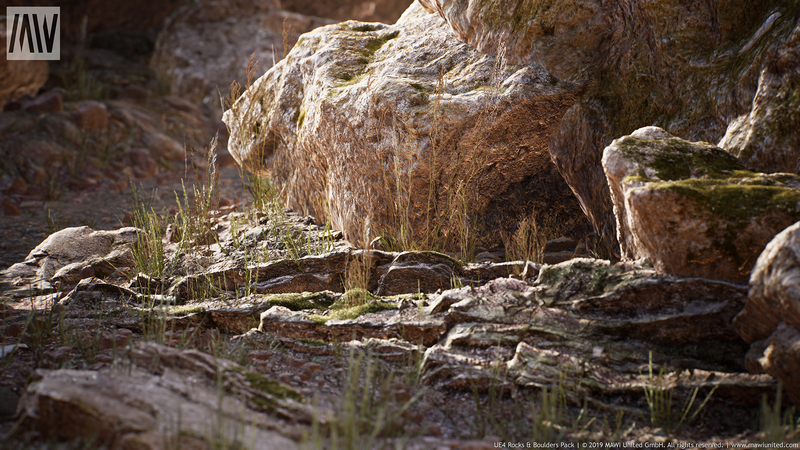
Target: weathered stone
[(412, 272), (386, 274), (91, 115), (691, 208), (95, 266), (61, 126), (48, 102), (774, 294), (781, 359), (766, 138), (163, 146), (691, 70), (560, 244), (142, 163), (387, 322), (532, 366), (243, 314), (18, 78), (77, 245), (595, 329), (165, 397), (419, 108), (201, 66), (36, 159), (477, 274)]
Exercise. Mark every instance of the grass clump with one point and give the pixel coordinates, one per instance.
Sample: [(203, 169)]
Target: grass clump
[(527, 242), (777, 424), (658, 393), (368, 408)]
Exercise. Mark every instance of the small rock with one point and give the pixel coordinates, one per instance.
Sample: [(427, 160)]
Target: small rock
[(309, 369), (13, 330), (18, 186), (49, 102), (11, 209), (142, 164), (91, 115), (116, 339), (135, 93), (73, 246), (560, 244), (163, 146)]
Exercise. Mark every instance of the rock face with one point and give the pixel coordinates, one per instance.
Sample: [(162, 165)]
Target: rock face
[(771, 316), (19, 78), (406, 127), (201, 53), (100, 16), (386, 11), (691, 70), (765, 139), (691, 208), (75, 253)]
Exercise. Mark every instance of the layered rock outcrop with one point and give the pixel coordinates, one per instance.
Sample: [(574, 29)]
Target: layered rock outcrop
[(690, 69), (691, 208), (408, 128), (201, 54)]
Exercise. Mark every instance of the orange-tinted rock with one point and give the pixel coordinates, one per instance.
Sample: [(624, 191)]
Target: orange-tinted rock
[(19, 78), (91, 115)]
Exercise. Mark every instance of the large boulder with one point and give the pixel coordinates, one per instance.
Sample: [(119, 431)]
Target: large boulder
[(408, 128), (200, 52), (691, 69), (691, 208), (771, 316), (18, 78)]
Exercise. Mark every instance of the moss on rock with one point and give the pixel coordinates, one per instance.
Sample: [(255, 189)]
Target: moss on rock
[(305, 300)]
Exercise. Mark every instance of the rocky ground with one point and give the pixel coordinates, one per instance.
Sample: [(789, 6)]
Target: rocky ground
[(154, 296)]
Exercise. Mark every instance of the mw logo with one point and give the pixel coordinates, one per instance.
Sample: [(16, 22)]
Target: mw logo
[(33, 33)]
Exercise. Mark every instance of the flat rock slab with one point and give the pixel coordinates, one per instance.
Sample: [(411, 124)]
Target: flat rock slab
[(385, 273), (163, 395)]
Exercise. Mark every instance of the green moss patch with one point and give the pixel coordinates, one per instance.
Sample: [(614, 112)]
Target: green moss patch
[(581, 278), (299, 302), (353, 304), (737, 199), (375, 44), (364, 28), (358, 311), (185, 310), (676, 159), (271, 387)]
